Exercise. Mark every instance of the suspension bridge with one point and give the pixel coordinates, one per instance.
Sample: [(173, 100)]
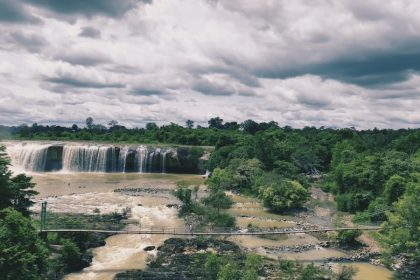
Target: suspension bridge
[(184, 232)]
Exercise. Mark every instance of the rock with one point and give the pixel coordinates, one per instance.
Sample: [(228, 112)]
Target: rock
[(149, 248), (176, 206)]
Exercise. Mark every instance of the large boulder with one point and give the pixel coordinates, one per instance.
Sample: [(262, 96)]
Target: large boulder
[(54, 159)]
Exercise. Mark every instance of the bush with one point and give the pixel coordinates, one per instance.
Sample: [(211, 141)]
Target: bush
[(71, 256), (346, 273), (348, 237), (219, 219), (282, 195)]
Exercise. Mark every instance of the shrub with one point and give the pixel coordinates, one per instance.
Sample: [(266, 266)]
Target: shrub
[(282, 195), (348, 237)]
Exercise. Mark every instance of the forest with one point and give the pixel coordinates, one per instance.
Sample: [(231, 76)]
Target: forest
[(373, 174)]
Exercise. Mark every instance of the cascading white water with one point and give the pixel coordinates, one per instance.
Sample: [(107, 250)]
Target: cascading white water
[(31, 157), (122, 159), (87, 158), (140, 159), (163, 163)]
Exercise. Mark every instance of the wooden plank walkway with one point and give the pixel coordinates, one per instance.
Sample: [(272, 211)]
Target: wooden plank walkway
[(225, 233)]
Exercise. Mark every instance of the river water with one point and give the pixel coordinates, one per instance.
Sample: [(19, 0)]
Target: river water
[(85, 192)]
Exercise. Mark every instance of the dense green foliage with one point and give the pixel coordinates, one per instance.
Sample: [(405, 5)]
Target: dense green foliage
[(15, 191), (208, 212), (402, 230), (22, 254), (280, 195), (348, 237), (218, 259)]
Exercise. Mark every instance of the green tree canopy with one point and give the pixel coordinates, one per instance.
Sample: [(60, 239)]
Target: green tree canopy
[(22, 254), (15, 191), (279, 194), (394, 188), (402, 231)]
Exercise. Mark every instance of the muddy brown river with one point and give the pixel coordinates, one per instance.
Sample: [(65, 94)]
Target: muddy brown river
[(85, 192)]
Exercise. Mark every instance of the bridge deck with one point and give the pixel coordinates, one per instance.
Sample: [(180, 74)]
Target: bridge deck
[(227, 233)]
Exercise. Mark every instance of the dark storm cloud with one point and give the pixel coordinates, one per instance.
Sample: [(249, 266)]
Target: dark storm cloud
[(70, 81), (374, 70), (90, 32), (14, 12), (147, 91), (30, 42), (88, 7), (209, 88), (85, 59)]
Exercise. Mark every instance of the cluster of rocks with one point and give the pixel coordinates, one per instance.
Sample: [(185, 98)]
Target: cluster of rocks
[(132, 191), (150, 190), (176, 206), (360, 256), (297, 248), (406, 270)]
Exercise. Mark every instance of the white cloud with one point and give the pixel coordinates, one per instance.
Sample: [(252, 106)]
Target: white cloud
[(331, 63)]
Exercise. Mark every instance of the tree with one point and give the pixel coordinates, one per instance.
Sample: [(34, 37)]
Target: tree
[(244, 172), (183, 193), (212, 265), (74, 127), (280, 195), (21, 193), (218, 199), (189, 124), (229, 271), (5, 175), (250, 126), (89, 122), (311, 272), (112, 123), (151, 126), (22, 254), (401, 234), (71, 256), (220, 179), (231, 126), (394, 188), (252, 265), (348, 237), (216, 123), (14, 191)]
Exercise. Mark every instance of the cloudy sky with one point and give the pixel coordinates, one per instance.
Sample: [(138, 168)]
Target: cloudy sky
[(333, 63)]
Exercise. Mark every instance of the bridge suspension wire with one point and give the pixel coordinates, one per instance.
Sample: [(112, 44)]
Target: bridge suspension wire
[(83, 226), (168, 231)]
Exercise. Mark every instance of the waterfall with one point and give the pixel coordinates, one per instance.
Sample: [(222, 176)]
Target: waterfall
[(72, 157), (122, 159), (140, 159), (31, 157), (163, 163), (85, 158), (150, 162)]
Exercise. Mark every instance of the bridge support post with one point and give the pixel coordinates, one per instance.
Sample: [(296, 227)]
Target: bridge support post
[(43, 233)]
